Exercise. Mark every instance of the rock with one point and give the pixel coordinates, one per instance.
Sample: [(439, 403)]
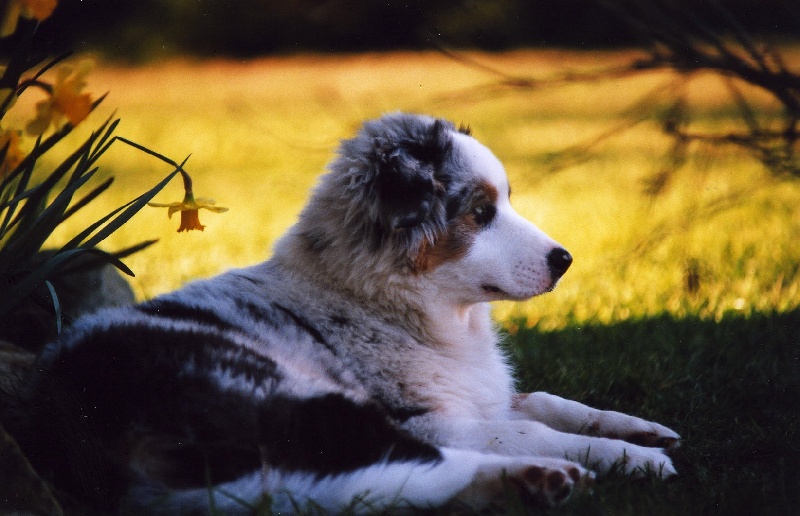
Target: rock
[(15, 363), (21, 489), (87, 284)]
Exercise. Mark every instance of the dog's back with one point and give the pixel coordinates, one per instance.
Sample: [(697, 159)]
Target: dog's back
[(205, 387)]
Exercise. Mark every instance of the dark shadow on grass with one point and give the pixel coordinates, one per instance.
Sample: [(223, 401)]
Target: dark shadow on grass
[(731, 388)]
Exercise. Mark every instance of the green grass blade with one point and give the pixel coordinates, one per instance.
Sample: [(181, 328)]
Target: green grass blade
[(20, 290), (76, 241), (16, 200)]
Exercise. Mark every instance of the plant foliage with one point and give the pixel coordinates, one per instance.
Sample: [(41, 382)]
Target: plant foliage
[(35, 199)]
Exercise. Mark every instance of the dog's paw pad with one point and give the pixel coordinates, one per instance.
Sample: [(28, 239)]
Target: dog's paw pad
[(552, 486), (558, 485)]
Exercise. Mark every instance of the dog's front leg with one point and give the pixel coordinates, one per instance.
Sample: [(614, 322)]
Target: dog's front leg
[(521, 437), (576, 418)]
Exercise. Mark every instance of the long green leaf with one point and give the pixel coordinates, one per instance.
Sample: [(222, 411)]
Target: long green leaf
[(103, 142), (25, 171), (56, 305), (29, 241), (28, 213), (153, 153), (118, 255), (20, 290), (52, 63), (129, 212), (86, 161), (42, 147), (76, 241), (89, 197), (39, 149), (16, 200), (110, 259), (122, 253), (139, 201)]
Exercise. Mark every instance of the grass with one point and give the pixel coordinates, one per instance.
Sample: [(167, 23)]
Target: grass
[(729, 387), (260, 133), (718, 362)]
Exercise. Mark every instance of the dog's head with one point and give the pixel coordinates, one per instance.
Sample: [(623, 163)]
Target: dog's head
[(415, 195)]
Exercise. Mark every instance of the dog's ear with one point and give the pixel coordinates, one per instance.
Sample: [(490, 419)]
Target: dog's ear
[(409, 184)]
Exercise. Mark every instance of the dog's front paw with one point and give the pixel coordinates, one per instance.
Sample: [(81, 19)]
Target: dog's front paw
[(612, 455), (536, 480), (550, 482)]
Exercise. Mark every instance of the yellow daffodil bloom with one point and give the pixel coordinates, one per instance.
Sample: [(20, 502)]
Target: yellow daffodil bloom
[(189, 211), (7, 97), (37, 9), (9, 140), (66, 100)]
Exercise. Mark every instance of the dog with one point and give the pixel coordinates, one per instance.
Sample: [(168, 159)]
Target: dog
[(358, 369)]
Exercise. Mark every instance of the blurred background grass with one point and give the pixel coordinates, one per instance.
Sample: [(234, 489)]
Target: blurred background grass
[(260, 132)]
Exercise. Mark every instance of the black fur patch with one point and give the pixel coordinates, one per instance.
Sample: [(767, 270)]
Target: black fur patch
[(340, 320), (408, 183), (403, 414), (279, 316), (332, 434), (178, 311), (144, 396), (141, 394), (259, 312), (305, 325)]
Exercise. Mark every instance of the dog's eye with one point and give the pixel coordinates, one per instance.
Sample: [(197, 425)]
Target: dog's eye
[(484, 213)]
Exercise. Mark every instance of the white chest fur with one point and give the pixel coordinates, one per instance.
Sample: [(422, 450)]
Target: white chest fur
[(467, 371)]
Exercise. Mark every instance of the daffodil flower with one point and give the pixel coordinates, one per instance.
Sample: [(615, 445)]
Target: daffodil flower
[(9, 141), (189, 207), (65, 100), (37, 9), (7, 98)]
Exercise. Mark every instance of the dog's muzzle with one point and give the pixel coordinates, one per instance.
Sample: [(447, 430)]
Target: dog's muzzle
[(558, 260)]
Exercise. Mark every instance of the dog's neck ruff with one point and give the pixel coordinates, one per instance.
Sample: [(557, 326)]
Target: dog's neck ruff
[(404, 299)]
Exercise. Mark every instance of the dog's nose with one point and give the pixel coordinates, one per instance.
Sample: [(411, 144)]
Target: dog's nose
[(559, 261)]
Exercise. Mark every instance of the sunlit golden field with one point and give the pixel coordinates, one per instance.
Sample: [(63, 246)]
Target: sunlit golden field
[(259, 134)]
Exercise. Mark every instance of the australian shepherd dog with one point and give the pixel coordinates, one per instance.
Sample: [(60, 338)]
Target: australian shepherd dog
[(356, 370)]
